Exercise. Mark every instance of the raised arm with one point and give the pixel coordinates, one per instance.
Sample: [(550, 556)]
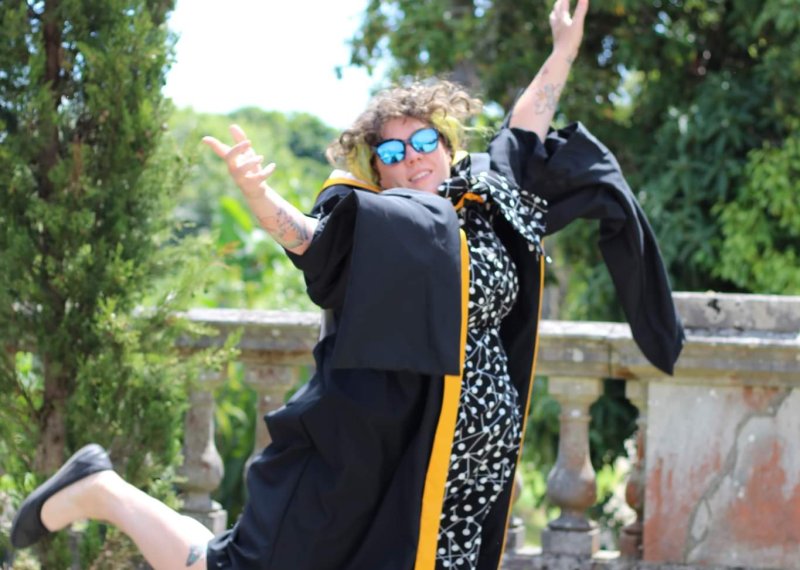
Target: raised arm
[(286, 224), (535, 108)]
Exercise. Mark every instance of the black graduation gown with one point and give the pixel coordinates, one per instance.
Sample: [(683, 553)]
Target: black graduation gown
[(354, 477)]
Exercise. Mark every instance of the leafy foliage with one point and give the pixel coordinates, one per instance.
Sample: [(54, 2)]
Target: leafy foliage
[(86, 239), (763, 224), (692, 95)]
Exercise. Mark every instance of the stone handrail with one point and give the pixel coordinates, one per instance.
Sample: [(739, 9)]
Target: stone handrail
[(735, 344)]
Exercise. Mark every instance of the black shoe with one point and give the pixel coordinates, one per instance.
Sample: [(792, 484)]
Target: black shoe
[(27, 527)]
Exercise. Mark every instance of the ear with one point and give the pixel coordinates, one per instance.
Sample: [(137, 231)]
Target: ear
[(448, 147), (376, 175)]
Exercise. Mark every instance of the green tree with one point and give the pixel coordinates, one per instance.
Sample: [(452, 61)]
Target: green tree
[(696, 97), (92, 274)]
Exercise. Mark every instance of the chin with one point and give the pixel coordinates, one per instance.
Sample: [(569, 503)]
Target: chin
[(428, 189), (431, 186)]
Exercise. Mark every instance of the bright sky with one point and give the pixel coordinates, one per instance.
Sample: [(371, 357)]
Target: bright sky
[(274, 54)]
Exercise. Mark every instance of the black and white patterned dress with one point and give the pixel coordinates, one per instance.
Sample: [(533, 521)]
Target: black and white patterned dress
[(488, 428)]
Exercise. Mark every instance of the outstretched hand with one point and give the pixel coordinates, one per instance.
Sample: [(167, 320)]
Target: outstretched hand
[(568, 29), (244, 165)]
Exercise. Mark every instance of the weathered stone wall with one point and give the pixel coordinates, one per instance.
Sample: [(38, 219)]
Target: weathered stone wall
[(723, 476), (716, 480), (723, 446)]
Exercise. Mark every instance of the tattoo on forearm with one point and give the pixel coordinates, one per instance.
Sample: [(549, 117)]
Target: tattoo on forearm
[(546, 98), (196, 552), (287, 231)]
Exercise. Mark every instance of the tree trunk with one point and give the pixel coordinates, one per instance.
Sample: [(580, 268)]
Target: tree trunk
[(51, 27), (51, 452), (52, 420)]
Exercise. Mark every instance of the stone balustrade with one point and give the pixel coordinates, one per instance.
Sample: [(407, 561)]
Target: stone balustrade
[(715, 481)]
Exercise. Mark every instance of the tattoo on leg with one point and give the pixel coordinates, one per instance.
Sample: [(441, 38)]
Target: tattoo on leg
[(196, 552)]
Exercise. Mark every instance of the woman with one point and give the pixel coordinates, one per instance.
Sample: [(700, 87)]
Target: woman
[(419, 470), (400, 452)]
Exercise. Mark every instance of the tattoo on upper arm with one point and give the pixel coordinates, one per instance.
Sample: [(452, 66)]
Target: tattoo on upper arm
[(196, 552), (546, 98), (287, 231)]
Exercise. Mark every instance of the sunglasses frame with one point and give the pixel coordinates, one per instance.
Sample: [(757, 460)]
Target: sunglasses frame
[(407, 142)]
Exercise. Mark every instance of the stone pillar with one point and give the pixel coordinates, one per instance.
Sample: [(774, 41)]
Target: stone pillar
[(202, 465), (571, 484), (630, 540), (515, 535), (271, 384)]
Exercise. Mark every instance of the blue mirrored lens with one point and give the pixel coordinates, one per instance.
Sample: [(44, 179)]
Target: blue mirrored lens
[(391, 152), (425, 140)]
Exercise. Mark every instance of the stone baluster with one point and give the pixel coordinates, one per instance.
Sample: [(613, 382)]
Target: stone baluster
[(202, 466), (571, 484), (630, 540), (271, 384), (515, 535)]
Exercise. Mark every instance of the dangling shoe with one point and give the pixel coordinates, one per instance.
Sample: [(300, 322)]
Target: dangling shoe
[(27, 528)]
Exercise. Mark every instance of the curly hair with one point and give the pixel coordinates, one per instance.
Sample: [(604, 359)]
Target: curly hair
[(442, 104)]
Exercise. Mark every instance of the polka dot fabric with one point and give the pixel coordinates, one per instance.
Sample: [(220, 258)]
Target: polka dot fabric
[(521, 208), (487, 432)]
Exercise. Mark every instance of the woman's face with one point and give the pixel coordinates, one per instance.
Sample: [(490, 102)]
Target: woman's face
[(420, 171)]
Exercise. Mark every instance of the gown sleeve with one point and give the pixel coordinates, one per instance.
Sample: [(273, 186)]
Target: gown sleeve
[(580, 178), (389, 265), (326, 262)]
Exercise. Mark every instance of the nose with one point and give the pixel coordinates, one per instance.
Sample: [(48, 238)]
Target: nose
[(411, 153)]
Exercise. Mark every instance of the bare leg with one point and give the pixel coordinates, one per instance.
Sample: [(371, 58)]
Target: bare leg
[(167, 539)]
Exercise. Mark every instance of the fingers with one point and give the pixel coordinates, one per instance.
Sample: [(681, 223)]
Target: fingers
[(243, 163), (268, 170), (261, 175), (560, 12), (241, 148), (243, 166), (226, 152), (580, 11), (220, 148), (567, 28), (238, 133)]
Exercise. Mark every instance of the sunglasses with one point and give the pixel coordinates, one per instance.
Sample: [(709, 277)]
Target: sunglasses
[(392, 151)]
